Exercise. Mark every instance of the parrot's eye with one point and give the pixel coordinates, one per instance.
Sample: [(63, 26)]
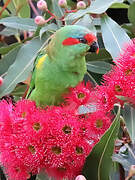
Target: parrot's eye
[(82, 40)]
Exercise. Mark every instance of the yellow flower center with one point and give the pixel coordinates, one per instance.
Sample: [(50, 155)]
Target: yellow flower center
[(99, 123), (37, 126), (56, 149)]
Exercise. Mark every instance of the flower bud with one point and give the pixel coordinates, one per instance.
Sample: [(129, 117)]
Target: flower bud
[(62, 3), (81, 5), (39, 20), (1, 81), (42, 5), (80, 177)]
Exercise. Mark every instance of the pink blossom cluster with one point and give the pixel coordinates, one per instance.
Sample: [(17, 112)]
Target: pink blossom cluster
[(53, 139), (119, 83)]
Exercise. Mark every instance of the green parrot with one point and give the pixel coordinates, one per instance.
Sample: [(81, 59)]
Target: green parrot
[(61, 64)]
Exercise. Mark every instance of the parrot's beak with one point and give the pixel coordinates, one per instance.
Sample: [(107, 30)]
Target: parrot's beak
[(94, 47)]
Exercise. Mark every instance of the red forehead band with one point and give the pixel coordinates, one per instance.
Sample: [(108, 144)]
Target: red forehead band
[(70, 41), (90, 38)]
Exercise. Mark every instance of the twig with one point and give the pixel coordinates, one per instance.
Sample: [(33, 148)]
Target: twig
[(33, 7), (49, 12), (5, 6), (52, 17)]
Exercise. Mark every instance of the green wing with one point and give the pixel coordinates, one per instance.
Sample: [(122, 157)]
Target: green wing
[(32, 83)]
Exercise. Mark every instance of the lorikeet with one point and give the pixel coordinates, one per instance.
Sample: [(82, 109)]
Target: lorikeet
[(61, 65)]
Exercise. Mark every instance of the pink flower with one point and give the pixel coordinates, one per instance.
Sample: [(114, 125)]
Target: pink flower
[(99, 122), (80, 95), (120, 83), (14, 168), (104, 98)]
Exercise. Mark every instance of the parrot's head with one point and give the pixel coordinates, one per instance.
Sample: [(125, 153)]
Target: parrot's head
[(72, 41)]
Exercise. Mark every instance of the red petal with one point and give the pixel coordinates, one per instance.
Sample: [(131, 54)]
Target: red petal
[(70, 41)]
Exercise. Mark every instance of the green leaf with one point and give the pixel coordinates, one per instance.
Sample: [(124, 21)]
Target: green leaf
[(6, 49), (96, 7), (120, 6), (126, 157), (19, 90), (42, 176), (114, 37), (129, 116), (8, 31), (86, 21), (8, 60), (22, 66), (57, 10), (11, 7), (131, 13), (4, 14), (115, 172), (27, 24), (98, 67), (49, 27), (23, 8), (130, 29), (98, 164), (103, 55)]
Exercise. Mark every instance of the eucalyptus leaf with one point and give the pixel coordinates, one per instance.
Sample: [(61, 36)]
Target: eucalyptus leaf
[(114, 37), (98, 164), (27, 24), (22, 66), (42, 176), (126, 157), (23, 8), (6, 49), (96, 7), (120, 6), (8, 31), (130, 29), (115, 173), (98, 67), (19, 90), (129, 116), (131, 13), (84, 109), (8, 60), (11, 7), (86, 21), (103, 55), (58, 11), (49, 27), (5, 13)]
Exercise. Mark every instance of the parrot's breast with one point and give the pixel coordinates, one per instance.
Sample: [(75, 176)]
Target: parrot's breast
[(52, 80)]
